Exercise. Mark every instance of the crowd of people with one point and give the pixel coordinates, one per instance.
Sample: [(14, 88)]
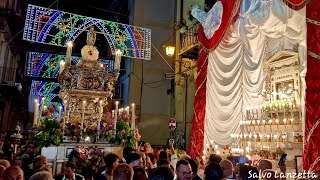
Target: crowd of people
[(146, 162)]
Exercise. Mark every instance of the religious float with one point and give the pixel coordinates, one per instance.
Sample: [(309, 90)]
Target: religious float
[(86, 129)]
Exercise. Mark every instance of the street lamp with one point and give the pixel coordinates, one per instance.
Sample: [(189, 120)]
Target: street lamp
[(170, 50)]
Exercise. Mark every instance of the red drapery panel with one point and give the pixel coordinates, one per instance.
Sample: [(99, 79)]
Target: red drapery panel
[(311, 154), (296, 4), (230, 10), (199, 108)]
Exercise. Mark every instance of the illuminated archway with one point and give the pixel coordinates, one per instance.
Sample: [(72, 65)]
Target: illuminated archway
[(54, 27)]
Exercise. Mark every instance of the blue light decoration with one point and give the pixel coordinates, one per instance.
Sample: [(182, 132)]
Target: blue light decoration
[(45, 90), (54, 27), (46, 65)]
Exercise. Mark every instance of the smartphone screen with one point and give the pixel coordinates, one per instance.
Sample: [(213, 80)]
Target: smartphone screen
[(282, 159)]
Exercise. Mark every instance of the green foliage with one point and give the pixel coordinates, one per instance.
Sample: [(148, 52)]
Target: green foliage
[(47, 133), (123, 136)]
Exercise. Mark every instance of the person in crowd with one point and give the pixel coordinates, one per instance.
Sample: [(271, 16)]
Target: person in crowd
[(42, 175), (213, 171), (185, 157), (2, 169), (147, 164), (248, 173), (17, 162), (162, 173), (231, 159), (5, 163), (194, 168), (264, 164), (111, 160), (156, 152), (214, 158), (123, 172), (13, 173), (148, 148), (5, 148), (152, 163), (134, 159), (269, 174), (163, 155), (69, 173), (162, 162), (125, 152), (144, 158), (141, 146), (39, 163), (140, 173), (201, 166), (227, 169), (183, 170)]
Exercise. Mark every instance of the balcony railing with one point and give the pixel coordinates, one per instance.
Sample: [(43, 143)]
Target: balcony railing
[(7, 75), (189, 39)]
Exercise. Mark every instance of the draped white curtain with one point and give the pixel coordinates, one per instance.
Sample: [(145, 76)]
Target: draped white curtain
[(235, 68)]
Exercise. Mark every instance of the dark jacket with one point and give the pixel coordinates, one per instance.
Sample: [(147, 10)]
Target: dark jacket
[(78, 177), (100, 177)]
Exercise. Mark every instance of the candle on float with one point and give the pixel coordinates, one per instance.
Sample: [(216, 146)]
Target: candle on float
[(69, 52), (60, 111), (291, 110), (82, 119), (257, 111), (36, 109), (284, 113), (116, 117), (117, 59), (248, 113), (42, 105), (133, 118), (102, 66), (61, 67), (277, 122), (100, 116), (64, 117)]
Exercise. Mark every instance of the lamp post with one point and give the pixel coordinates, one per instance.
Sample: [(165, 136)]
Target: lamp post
[(185, 75)]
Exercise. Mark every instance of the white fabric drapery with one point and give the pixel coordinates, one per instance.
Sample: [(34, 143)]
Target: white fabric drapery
[(235, 68)]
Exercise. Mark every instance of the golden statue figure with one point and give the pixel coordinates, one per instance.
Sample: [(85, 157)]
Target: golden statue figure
[(91, 36)]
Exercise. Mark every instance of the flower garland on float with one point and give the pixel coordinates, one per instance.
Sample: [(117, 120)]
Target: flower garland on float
[(49, 131)]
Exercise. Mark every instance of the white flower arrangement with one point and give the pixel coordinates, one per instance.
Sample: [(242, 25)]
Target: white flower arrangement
[(90, 53)]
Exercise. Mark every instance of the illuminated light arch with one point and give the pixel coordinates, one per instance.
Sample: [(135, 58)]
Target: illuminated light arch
[(44, 90), (46, 65), (55, 27)]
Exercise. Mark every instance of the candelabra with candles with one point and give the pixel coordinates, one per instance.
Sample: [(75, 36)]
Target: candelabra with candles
[(269, 127), (210, 149)]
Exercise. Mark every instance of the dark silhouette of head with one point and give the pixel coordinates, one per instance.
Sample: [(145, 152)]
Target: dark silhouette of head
[(213, 171), (162, 173)]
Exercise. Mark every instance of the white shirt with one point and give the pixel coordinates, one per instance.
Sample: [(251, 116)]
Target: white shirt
[(73, 178)]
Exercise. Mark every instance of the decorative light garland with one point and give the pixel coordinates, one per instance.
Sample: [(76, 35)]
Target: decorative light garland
[(54, 27)]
